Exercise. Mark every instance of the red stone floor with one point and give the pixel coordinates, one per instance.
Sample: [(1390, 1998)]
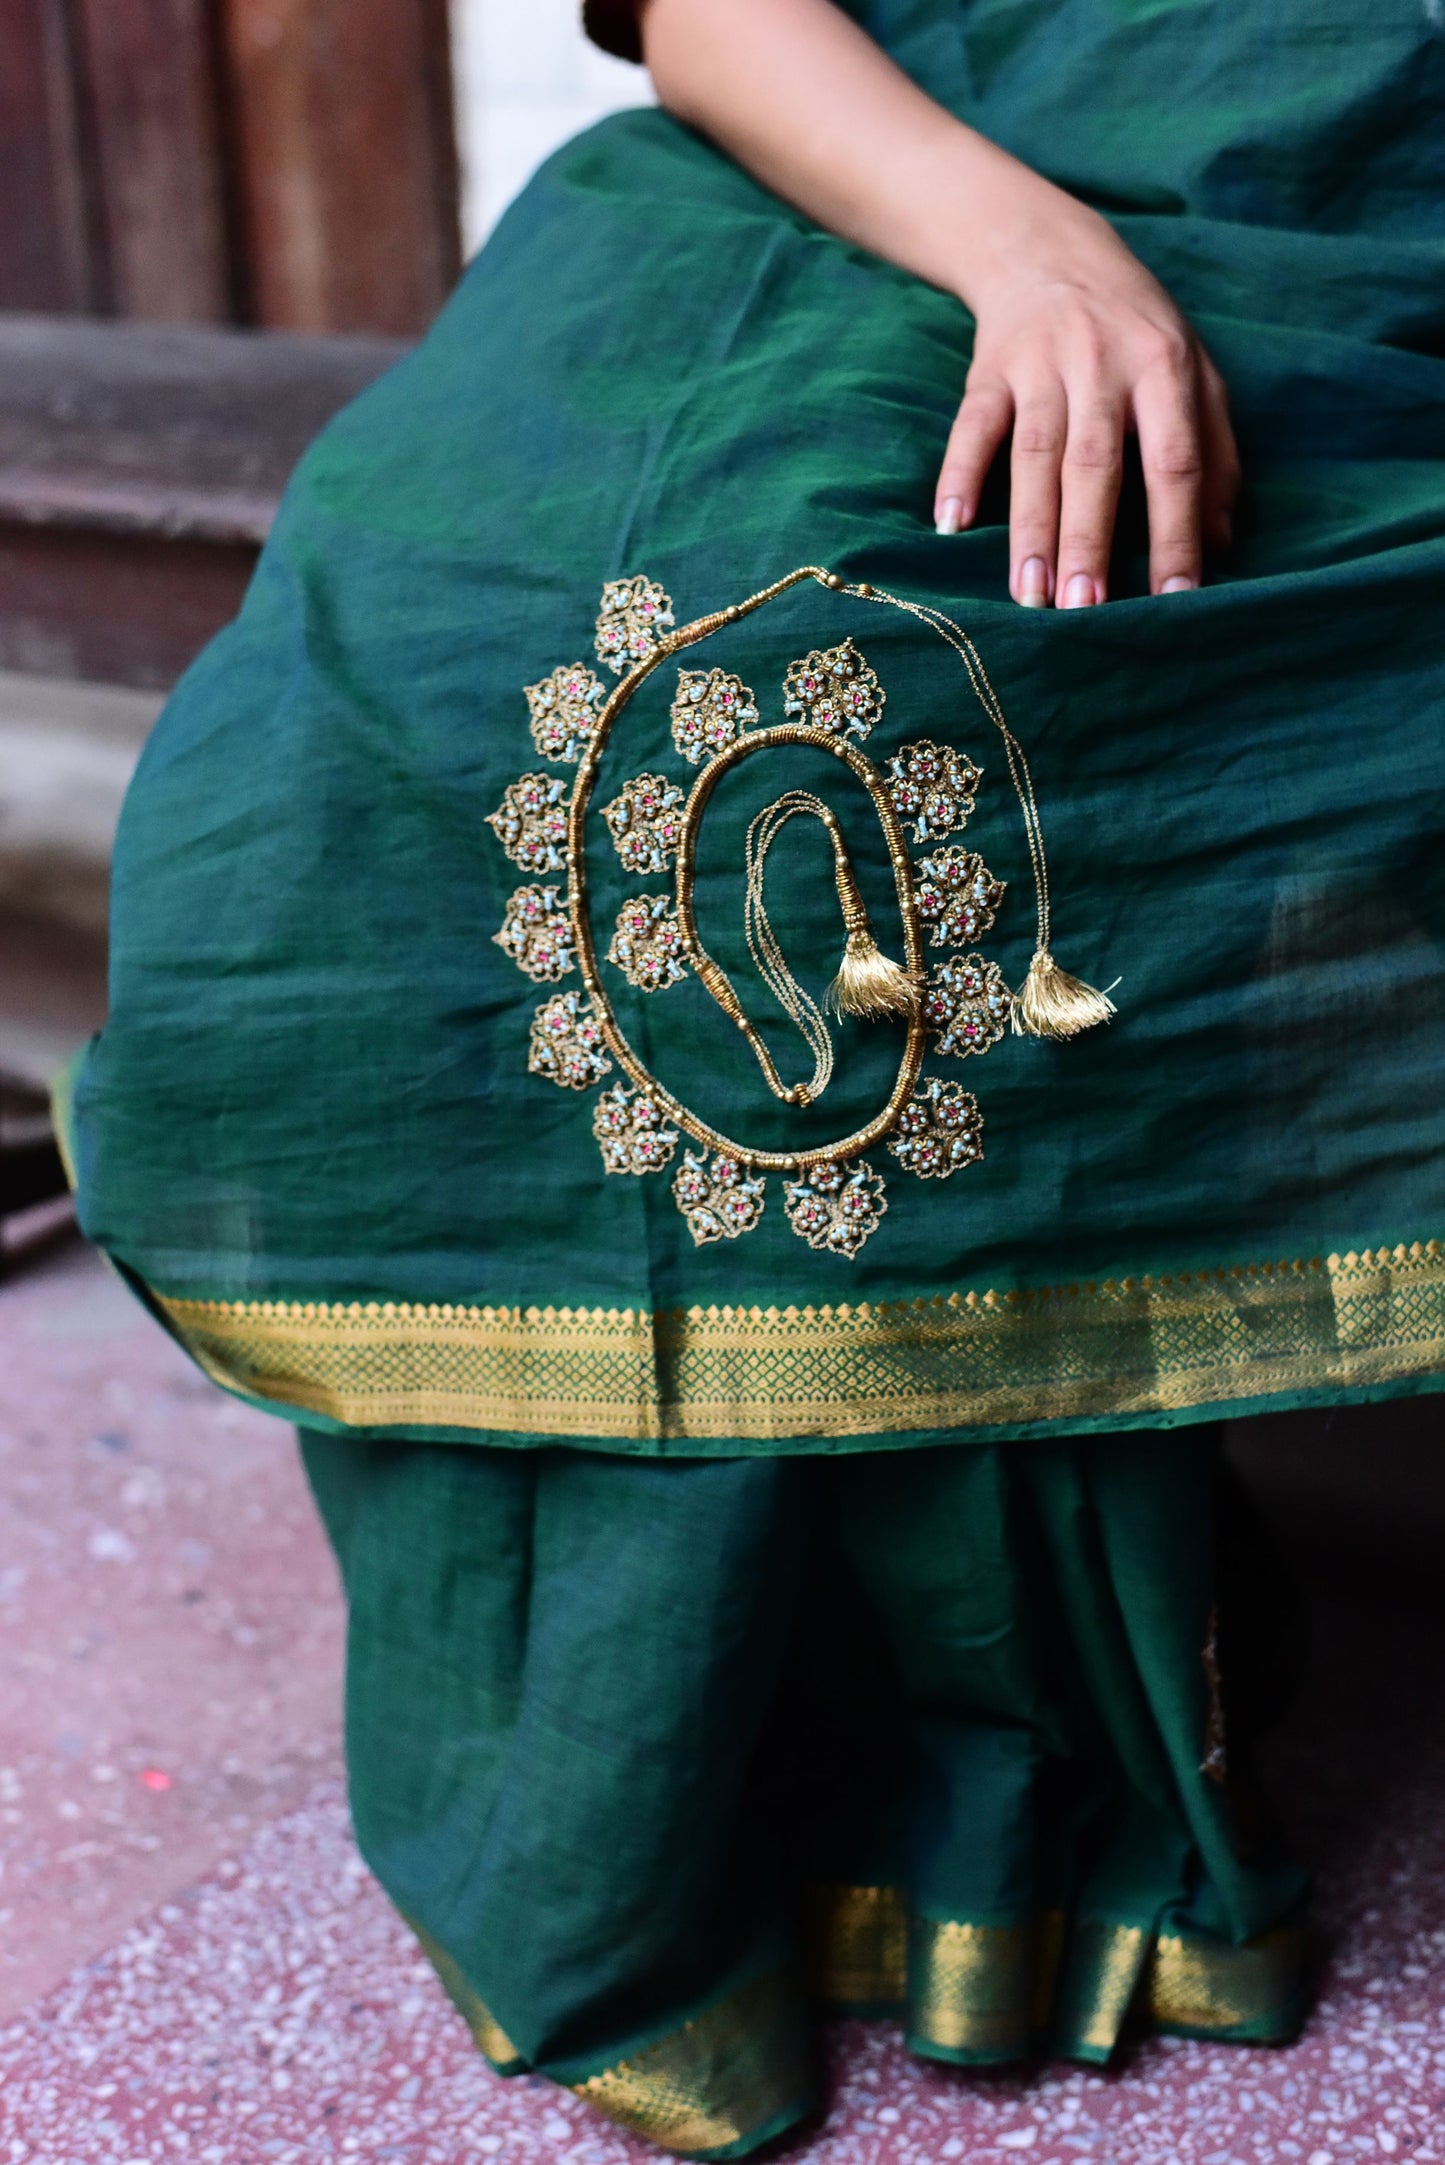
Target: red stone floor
[(196, 1966)]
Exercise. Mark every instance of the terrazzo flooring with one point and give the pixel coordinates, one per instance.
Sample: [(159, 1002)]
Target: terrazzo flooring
[(169, 1618), (196, 1965)]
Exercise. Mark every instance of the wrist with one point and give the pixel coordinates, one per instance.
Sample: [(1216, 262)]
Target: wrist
[(1010, 222)]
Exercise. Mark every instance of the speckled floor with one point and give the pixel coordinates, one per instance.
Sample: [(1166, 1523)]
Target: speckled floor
[(196, 1966), (169, 1615)]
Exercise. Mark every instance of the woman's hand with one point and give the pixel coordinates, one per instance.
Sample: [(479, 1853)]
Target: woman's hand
[(1078, 346)]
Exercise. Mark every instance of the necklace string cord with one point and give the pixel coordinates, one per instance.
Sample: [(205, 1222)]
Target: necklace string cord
[(1050, 1002), (800, 1008)]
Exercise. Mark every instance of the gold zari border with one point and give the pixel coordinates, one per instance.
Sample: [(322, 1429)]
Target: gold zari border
[(994, 1992), (1102, 1966), (1200, 1987), (490, 2039), (857, 1945), (973, 1988), (727, 2075), (1126, 1346), (731, 2073)]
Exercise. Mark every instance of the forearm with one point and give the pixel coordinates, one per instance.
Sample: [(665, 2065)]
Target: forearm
[(803, 98), (1075, 345)]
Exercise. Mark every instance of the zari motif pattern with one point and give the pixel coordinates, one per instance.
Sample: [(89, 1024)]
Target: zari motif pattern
[(710, 711), (633, 616), (537, 934), (835, 690), (834, 1195), (567, 1044), (940, 1130), (932, 787), (531, 823), (645, 822), (982, 1357), (564, 708), (958, 897), (647, 945), (836, 1207), (966, 1004), (631, 1132), (717, 1196)]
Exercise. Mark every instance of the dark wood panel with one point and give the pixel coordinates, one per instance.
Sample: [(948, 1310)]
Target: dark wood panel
[(156, 429), (151, 72), (133, 611), (140, 468), (48, 252), (341, 114)]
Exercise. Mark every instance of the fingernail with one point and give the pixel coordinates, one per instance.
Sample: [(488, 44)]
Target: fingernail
[(1033, 583), (1177, 586), (948, 518), (1079, 593)]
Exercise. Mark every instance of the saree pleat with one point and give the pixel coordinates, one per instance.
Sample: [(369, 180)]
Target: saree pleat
[(651, 1755)]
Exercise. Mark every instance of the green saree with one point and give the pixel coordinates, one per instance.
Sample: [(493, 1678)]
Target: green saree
[(469, 1089), (650, 1755), (310, 1128)]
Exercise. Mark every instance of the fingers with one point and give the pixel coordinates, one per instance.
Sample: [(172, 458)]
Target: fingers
[(1069, 419), (1171, 450), (1221, 456), (979, 428), (1092, 475), (1040, 430)]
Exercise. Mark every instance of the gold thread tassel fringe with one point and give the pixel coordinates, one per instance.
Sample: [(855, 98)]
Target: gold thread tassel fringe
[(869, 983), (1050, 1003)]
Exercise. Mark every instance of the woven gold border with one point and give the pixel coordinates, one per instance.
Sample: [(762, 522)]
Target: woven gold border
[(991, 1992), (1125, 1346), (972, 1987), (1100, 1973), (857, 1945), (734, 2072), (731, 2073), (1200, 1986), (490, 2039)]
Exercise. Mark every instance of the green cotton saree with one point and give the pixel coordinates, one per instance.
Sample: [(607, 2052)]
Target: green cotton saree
[(470, 1090), (654, 1757), (310, 1130)]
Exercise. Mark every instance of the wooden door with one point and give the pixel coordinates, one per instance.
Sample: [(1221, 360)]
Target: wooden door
[(345, 160), (47, 246), (277, 162)]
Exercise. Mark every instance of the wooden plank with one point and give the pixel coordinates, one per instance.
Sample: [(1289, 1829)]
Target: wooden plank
[(153, 96), (49, 256), (123, 612), (140, 467), (341, 114), (143, 428)]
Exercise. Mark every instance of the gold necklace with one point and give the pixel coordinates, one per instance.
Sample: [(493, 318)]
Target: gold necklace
[(834, 1199)]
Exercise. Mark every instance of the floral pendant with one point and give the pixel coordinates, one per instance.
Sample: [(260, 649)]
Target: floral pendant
[(833, 1198)]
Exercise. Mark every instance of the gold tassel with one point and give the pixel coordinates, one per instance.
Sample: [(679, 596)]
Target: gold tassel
[(868, 983), (1050, 1003)]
